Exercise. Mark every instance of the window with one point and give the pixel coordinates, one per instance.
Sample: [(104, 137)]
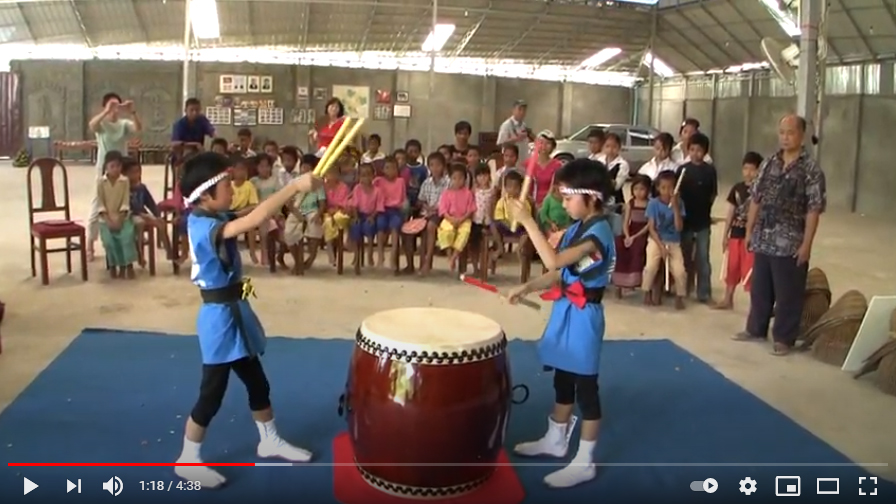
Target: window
[(621, 132), (640, 138), (582, 134)]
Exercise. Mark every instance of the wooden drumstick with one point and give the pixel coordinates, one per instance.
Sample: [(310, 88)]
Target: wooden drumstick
[(747, 277), (668, 273), (328, 152), (527, 184), (678, 183), (528, 303), (723, 273), (322, 168)]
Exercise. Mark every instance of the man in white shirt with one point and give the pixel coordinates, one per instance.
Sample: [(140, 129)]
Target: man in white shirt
[(679, 154), (596, 139), (662, 147), (515, 131)]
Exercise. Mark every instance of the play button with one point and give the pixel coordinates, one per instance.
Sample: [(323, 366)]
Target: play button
[(710, 485), (29, 486)]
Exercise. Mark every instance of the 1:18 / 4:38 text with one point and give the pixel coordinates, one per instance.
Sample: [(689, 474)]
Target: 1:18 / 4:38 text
[(167, 486)]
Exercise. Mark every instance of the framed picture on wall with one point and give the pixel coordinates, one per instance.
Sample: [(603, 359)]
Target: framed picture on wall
[(254, 84), (239, 83), (382, 113), (245, 117), (267, 84), (320, 93), (402, 97), (218, 115), (383, 96), (401, 111), (272, 116), (225, 84)]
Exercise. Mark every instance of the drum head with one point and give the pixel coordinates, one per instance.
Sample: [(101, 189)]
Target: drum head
[(432, 331)]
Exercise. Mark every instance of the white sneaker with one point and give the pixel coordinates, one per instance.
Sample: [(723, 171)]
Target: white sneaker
[(207, 477), (573, 474), (555, 442), (278, 448)]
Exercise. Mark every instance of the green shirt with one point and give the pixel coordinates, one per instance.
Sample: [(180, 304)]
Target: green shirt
[(311, 201), (552, 212), (112, 136)]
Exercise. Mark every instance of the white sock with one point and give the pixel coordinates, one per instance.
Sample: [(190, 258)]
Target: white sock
[(585, 455), (272, 445), (192, 451), (554, 443), (267, 431), (579, 470)]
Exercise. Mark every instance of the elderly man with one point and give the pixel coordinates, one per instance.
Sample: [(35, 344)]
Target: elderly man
[(787, 199), (514, 130)]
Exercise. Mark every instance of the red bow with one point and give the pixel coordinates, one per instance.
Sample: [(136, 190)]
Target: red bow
[(575, 293)]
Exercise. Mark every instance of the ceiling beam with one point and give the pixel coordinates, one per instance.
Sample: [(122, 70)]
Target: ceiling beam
[(513, 43), (362, 44), (139, 19), (750, 54), (74, 6), (693, 45), (468, 36), (855, 26), (306, 22), (678, 53), (25, 22)]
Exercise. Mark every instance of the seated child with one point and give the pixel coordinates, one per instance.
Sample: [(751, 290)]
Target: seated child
[(428, 201), (273, 151), (366, 205), (374, 142), (483, 220), (244, 143), (739, 259), (336, 218), (414, 173), (390, 220), (348, 171), (116, 226), (144, 211), (266, 185), (220, 146), (245, 199), (665, 219), (305, 219), (456, 208), (473, 159), (513, 187), (401, 158), (552, 216)]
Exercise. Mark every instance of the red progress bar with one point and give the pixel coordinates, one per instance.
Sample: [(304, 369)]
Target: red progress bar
[(103, 464)]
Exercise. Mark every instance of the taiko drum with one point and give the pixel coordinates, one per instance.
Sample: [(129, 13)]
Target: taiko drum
[(427, 400)]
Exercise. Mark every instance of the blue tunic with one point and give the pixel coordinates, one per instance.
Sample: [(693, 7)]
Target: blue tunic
[(573, 336), (227, 331)]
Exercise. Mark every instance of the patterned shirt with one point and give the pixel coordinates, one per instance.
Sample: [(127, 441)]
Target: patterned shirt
[(739, 198), (785, 194), (431, 190), (485, 199)]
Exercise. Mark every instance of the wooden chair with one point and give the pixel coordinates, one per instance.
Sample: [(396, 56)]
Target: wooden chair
[(146, 248), (74, 234), (527, 254), (170, 209)]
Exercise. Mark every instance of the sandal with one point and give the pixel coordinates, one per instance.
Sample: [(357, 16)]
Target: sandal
[(745, 336), (780, 350)]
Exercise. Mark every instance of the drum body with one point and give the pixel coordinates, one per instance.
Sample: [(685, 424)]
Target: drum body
[(428, 400)]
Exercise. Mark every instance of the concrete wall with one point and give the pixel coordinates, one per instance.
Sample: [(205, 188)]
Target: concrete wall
[(64, 94), (741, 113)]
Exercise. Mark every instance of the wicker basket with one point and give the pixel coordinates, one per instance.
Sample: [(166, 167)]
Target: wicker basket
[(885, 378), (817, 299), (832, 335)]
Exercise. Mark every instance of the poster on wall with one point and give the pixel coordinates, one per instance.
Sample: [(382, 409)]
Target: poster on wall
[(245, 117), (356, 100), (320, 93), (401, 111), (382, 113), (302, 116), (267, 84), (302, 93), (225, 84), (239, 83), (383, 96), (254, 83), (218, 115), (402, 97), (272, 116)]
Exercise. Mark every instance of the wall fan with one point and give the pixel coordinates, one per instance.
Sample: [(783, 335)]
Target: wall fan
[(782, 58)]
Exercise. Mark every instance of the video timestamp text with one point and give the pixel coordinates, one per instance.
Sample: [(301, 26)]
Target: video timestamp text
[(167, 486)]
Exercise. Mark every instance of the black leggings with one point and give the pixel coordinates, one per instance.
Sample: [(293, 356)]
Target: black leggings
[(571, 388), (214, 385)]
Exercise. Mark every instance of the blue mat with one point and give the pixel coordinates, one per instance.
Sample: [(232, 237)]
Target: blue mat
[(122, 397)]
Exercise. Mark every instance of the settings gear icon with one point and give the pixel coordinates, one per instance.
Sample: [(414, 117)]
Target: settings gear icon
[(747, 486)]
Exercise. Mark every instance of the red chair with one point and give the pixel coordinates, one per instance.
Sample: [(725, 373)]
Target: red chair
[(74, 234)]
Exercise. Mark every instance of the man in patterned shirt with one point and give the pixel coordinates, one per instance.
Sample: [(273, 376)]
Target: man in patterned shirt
[(786, 201)]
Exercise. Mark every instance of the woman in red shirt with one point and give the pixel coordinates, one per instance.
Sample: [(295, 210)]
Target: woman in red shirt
[(545, 167), (335, 117)]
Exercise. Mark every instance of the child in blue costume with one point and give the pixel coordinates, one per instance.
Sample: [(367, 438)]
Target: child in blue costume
[(231, 337), (571, 344)]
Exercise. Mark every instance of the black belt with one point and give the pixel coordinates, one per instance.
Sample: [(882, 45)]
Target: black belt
[(230, 296), (595, 295)]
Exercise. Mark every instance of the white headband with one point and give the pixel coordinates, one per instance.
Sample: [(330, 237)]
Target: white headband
[(205, 186), (590, 192)]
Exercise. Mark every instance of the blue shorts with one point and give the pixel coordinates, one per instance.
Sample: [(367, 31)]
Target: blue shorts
[(362, 228), (390, 220)]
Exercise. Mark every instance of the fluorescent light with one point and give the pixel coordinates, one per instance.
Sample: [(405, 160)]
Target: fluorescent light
[(601, 57), (204, 19), (437, 38), (658, 66)]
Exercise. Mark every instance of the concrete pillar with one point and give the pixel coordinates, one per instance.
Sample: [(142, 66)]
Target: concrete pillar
[(806, 85)]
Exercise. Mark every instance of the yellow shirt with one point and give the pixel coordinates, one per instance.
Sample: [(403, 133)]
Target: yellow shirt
[(501, 213), (244, 195)]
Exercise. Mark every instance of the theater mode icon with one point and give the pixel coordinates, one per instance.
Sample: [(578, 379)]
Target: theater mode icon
[(787, 486)]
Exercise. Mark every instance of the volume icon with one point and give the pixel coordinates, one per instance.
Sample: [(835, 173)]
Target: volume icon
[(69, 486), (114, 486)]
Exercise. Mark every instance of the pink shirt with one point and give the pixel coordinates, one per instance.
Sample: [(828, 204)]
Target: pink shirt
[(337, 196), (367, 202), (394, 191), (544, 178), (457, 203)]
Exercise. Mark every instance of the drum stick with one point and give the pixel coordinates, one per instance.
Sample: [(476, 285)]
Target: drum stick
[(678, 183), (668, 272), (328, 152), (528, 303), (322, 169), (747, 277), (724, 269), (527, 185)]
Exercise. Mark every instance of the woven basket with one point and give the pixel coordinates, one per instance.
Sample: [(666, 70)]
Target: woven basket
[(885, 378), (817, 299), (832, 335)]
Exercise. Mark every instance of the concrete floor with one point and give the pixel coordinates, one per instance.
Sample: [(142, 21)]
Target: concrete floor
[(41, 321)]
